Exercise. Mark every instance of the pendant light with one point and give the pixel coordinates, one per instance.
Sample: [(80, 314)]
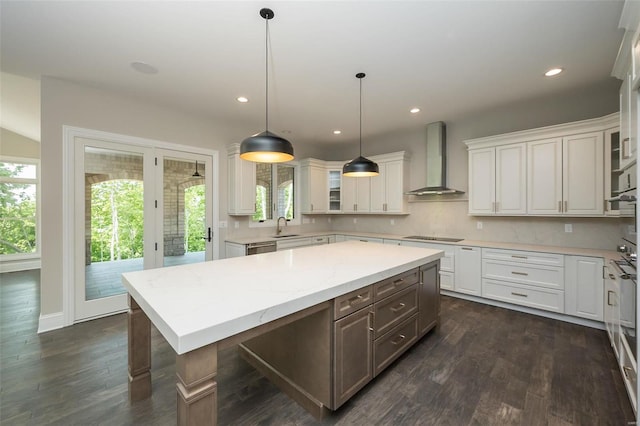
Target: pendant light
[(360, 167), (196, 174), (266, 147)]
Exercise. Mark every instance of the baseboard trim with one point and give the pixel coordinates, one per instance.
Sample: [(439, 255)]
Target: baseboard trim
[(19, 265), (50, 322), (561, 317)]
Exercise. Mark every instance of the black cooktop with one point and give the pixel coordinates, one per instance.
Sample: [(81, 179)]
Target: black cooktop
[(444, 239)]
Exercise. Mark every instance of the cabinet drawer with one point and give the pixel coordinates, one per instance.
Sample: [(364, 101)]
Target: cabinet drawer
[(320, 240), (394, 309), (513, 272), (390, 346), (351, 302), (446, 280), (396, 283), (549, 300), (528, 257)]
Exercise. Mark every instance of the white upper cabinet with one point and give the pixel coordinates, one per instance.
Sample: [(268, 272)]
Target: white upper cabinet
[(314, 186), (388, 188), (544, 176), (241, 181), (583, 180), (356, 194), (322, 183), (566, 175), (551, 171), (482, 177), (497, 180)]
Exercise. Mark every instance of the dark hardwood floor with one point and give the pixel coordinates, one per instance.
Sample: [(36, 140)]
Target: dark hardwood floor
[(482, 366)]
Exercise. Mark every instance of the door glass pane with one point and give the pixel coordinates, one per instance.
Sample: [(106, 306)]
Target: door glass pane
[(113, 219), (263, 192), (184, 229), (285, 191)]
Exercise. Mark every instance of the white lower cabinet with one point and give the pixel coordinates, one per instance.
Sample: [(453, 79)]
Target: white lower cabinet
[(534, 297), (524, 278), (447, 262), (584, 287), (363, 239), (293, 243), (468, 267)]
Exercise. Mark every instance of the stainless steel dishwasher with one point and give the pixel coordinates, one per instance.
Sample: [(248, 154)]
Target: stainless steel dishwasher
[(260, 247)]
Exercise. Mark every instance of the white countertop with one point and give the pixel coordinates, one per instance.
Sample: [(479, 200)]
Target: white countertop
[(576, 251), (201, 303)]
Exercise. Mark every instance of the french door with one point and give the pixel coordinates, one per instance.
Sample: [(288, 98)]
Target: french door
[(136, 208)]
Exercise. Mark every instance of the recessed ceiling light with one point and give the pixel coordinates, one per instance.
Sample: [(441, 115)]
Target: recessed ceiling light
[(242, 99), (144, 68), (553, 71), (414, 110), (337, 132)]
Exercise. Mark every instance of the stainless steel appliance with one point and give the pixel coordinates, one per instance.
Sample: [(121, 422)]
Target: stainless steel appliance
[(260, 247), (620, 309)]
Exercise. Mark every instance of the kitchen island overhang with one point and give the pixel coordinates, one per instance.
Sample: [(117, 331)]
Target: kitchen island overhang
[(197, 306)]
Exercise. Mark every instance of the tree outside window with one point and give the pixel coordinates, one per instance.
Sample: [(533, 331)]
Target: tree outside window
[(18, 207), (282, 192)]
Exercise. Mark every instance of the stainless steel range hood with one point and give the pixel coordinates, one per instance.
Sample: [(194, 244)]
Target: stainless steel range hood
[(436, 162)]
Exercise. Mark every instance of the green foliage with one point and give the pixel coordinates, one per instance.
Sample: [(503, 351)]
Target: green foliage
[(194, 201), (17, 213), (117, 220)]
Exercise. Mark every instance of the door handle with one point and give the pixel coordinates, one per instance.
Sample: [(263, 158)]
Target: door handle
[(209, 235)]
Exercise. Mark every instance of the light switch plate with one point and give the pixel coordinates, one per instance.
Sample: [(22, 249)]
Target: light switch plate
[(236, 224), (568, 227), (479, 225), (222, 224)]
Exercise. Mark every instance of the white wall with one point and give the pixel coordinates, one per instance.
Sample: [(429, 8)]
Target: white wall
[(20, 105)]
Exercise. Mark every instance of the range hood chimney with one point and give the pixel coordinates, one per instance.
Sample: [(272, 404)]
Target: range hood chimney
[(436, 162)]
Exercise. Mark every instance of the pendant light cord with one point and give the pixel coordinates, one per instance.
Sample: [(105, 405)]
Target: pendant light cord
[(360, 116), (266, 72)]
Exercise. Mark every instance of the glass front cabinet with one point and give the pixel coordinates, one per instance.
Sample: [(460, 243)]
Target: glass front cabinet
[(335, 184)]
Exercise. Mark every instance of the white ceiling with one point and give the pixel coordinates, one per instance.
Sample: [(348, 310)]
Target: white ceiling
[(449, 58)]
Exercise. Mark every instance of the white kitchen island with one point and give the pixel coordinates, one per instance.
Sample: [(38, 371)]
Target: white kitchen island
[(200, 308)]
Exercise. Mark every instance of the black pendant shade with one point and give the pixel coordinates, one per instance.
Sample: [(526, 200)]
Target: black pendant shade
[(360, 167), (266, 147)]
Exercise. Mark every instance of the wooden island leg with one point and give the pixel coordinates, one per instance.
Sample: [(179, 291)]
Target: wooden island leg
[(139, 328), (197, 387)]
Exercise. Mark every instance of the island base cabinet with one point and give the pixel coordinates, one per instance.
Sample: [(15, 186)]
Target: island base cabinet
[(324, 359), (393, 344), (428, 298), (353, 355)]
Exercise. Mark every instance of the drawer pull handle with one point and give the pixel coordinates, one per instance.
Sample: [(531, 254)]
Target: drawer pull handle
[(519, 294), (355, 300), (519, 273), (626, 370), (399, 339), (398, 282), (371, 317), (609, 294), (398, 307), (516, 256), (466, 248)]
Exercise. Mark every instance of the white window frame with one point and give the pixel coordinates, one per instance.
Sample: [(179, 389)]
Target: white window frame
[(271, 223), (36, 182)]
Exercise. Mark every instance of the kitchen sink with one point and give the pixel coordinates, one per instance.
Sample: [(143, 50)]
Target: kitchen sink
[(443, 239), (286, 235)]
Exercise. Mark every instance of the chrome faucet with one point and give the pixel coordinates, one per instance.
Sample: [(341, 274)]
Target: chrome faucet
[(278, 230)]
